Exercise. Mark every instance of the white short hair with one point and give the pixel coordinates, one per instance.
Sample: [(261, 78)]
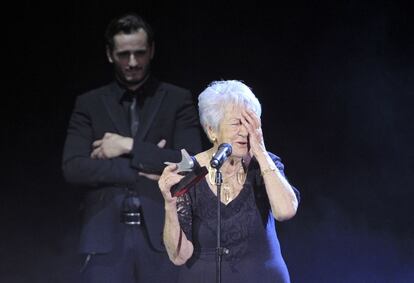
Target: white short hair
[(213, 101)]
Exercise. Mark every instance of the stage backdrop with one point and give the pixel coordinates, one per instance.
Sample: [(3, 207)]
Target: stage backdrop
[(336, 82)]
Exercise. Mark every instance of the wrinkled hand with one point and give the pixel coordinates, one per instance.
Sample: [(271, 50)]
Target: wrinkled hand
[(110, 146), (254, 127), (169, 178), (154, 177)]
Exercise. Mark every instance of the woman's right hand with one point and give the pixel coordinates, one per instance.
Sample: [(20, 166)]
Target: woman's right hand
[(169, 178)]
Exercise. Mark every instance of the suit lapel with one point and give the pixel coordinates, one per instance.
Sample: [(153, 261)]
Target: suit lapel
[(115, 110), (150, 109)]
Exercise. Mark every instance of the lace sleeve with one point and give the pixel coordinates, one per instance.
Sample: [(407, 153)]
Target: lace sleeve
[(184, 215)]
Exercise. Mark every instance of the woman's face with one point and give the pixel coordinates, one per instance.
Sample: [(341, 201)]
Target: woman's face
[(232, 131)]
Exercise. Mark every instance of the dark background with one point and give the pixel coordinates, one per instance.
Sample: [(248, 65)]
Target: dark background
[(336, 82)]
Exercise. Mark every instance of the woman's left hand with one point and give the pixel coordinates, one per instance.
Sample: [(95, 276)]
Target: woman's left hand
[(169, 178), (254, 127)]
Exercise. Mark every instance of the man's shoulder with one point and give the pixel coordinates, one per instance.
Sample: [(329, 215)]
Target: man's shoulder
[(97, 92), (172, 88)]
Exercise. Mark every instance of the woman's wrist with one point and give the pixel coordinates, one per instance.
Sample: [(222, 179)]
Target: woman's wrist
[(263, 158), (266, 164), (268, 170), (170, 205)]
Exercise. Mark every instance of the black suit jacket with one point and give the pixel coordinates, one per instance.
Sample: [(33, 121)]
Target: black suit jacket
[(168, 113)]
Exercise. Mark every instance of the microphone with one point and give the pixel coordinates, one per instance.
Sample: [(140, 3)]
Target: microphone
[(223, 151)]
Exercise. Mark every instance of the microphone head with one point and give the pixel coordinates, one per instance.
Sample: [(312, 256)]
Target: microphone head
[(228, 148), (224, 150), (214, 163)]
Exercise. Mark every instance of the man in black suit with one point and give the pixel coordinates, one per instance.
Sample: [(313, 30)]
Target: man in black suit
[(118, 139)]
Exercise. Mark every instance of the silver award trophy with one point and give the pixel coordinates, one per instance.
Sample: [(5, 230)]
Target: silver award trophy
[(192, 171)]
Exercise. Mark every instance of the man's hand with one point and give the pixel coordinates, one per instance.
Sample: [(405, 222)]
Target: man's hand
[(154, 177), (110, 146)]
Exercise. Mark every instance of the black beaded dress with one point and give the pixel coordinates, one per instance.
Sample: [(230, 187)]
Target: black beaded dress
[(247, 231)]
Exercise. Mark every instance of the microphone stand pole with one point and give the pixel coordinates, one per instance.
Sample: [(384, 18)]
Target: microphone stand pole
[(219, 250)]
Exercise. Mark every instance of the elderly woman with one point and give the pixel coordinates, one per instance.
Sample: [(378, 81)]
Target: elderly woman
[(254, 192)]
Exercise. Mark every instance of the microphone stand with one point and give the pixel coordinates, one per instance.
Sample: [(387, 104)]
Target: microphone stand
[(219, 250), (223, 151)]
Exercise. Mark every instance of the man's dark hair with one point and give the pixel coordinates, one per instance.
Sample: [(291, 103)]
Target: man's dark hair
[(127, 24)]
